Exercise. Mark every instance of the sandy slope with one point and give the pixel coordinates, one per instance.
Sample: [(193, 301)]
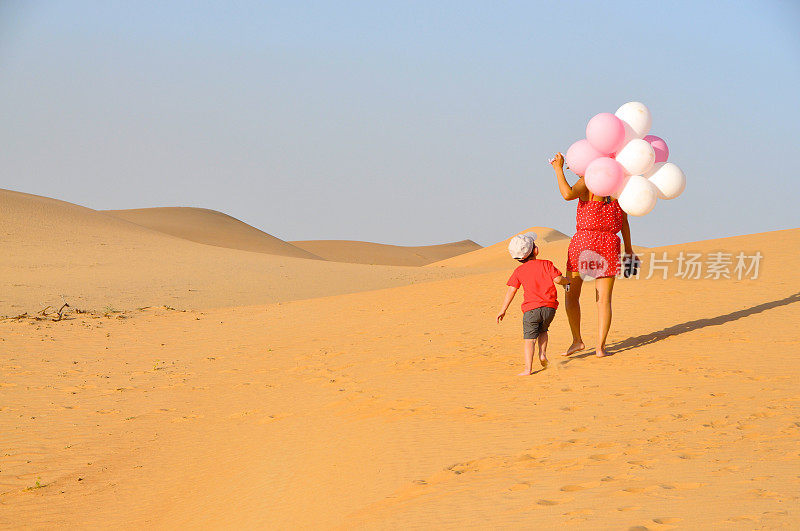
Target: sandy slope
[(377, 253), (552, 246), (399, 407), (54, 251), (210, 227)]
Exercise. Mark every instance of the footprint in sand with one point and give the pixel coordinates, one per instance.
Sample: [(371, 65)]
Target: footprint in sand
[(573, 488), (553, 502), (667, 520), (681, 486), (245, 413), (763, 493), (273, 418), (742, 518), (187, 418), (643, 463), (639, 490), (519, 486)]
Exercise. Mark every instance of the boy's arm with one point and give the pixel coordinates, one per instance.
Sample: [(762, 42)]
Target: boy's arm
[(509, 297), (561, 279)]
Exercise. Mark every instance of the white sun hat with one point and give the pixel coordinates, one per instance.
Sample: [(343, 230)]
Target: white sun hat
[(521, 245)]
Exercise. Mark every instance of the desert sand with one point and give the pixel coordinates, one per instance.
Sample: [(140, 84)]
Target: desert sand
[(391, 399)]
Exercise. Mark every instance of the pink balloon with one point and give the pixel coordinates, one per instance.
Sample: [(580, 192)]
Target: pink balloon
[(604, 176), (659, 146), (606, 133), (579, 155)]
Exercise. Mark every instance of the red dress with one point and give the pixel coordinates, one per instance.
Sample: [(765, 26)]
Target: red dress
[(594, 249)]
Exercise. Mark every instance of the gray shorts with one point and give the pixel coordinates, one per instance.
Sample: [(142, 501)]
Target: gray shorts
[(537, 321)]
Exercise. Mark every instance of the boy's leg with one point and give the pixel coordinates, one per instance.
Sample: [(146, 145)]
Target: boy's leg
[(530, 329), (529, 348), (543, 348), (572, 301)]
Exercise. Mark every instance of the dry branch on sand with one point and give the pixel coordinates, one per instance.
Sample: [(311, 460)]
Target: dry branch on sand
[(42, 315)]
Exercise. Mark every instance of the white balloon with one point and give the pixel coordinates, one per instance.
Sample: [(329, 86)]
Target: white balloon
[(655, 167), (638, 197), (637, 118), (615, 195), (669, 180), (630, 134), (637, 157)]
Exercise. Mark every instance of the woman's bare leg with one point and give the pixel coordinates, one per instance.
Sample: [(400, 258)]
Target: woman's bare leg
[(603, 289), (573, 306)]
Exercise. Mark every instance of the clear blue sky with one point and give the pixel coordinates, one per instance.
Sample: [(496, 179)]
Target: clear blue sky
[(397, 122)]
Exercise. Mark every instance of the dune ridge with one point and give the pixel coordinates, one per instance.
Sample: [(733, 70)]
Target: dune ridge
[(377, 253), (210, 227)]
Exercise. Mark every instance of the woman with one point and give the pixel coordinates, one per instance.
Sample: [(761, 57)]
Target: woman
[(593, 251)]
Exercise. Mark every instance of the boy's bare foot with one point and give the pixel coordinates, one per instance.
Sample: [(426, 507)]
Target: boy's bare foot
[(524, 373), (543, 361), (573, 348), (600, 352)]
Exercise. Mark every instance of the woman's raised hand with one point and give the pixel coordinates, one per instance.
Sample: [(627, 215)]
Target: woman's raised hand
[(557, 161)]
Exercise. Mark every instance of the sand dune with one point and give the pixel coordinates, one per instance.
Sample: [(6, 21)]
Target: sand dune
[(209, 227), (552, 246), (216, 228), (400, 408), (376, 253), (54, 251)]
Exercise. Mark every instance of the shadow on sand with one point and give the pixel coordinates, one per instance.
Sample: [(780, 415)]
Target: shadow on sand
[(688, 326)]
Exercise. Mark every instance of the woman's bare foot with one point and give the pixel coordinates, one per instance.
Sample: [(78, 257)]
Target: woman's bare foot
[(600, 352), (524, 373), (577, 346)]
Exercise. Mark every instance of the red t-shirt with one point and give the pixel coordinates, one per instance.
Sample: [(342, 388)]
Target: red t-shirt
[(536, 278)]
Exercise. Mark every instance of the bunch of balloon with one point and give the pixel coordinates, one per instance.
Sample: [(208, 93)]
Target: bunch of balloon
[(618, 158)]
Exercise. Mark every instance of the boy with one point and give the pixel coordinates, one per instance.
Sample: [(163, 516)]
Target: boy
[(538, 278)]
